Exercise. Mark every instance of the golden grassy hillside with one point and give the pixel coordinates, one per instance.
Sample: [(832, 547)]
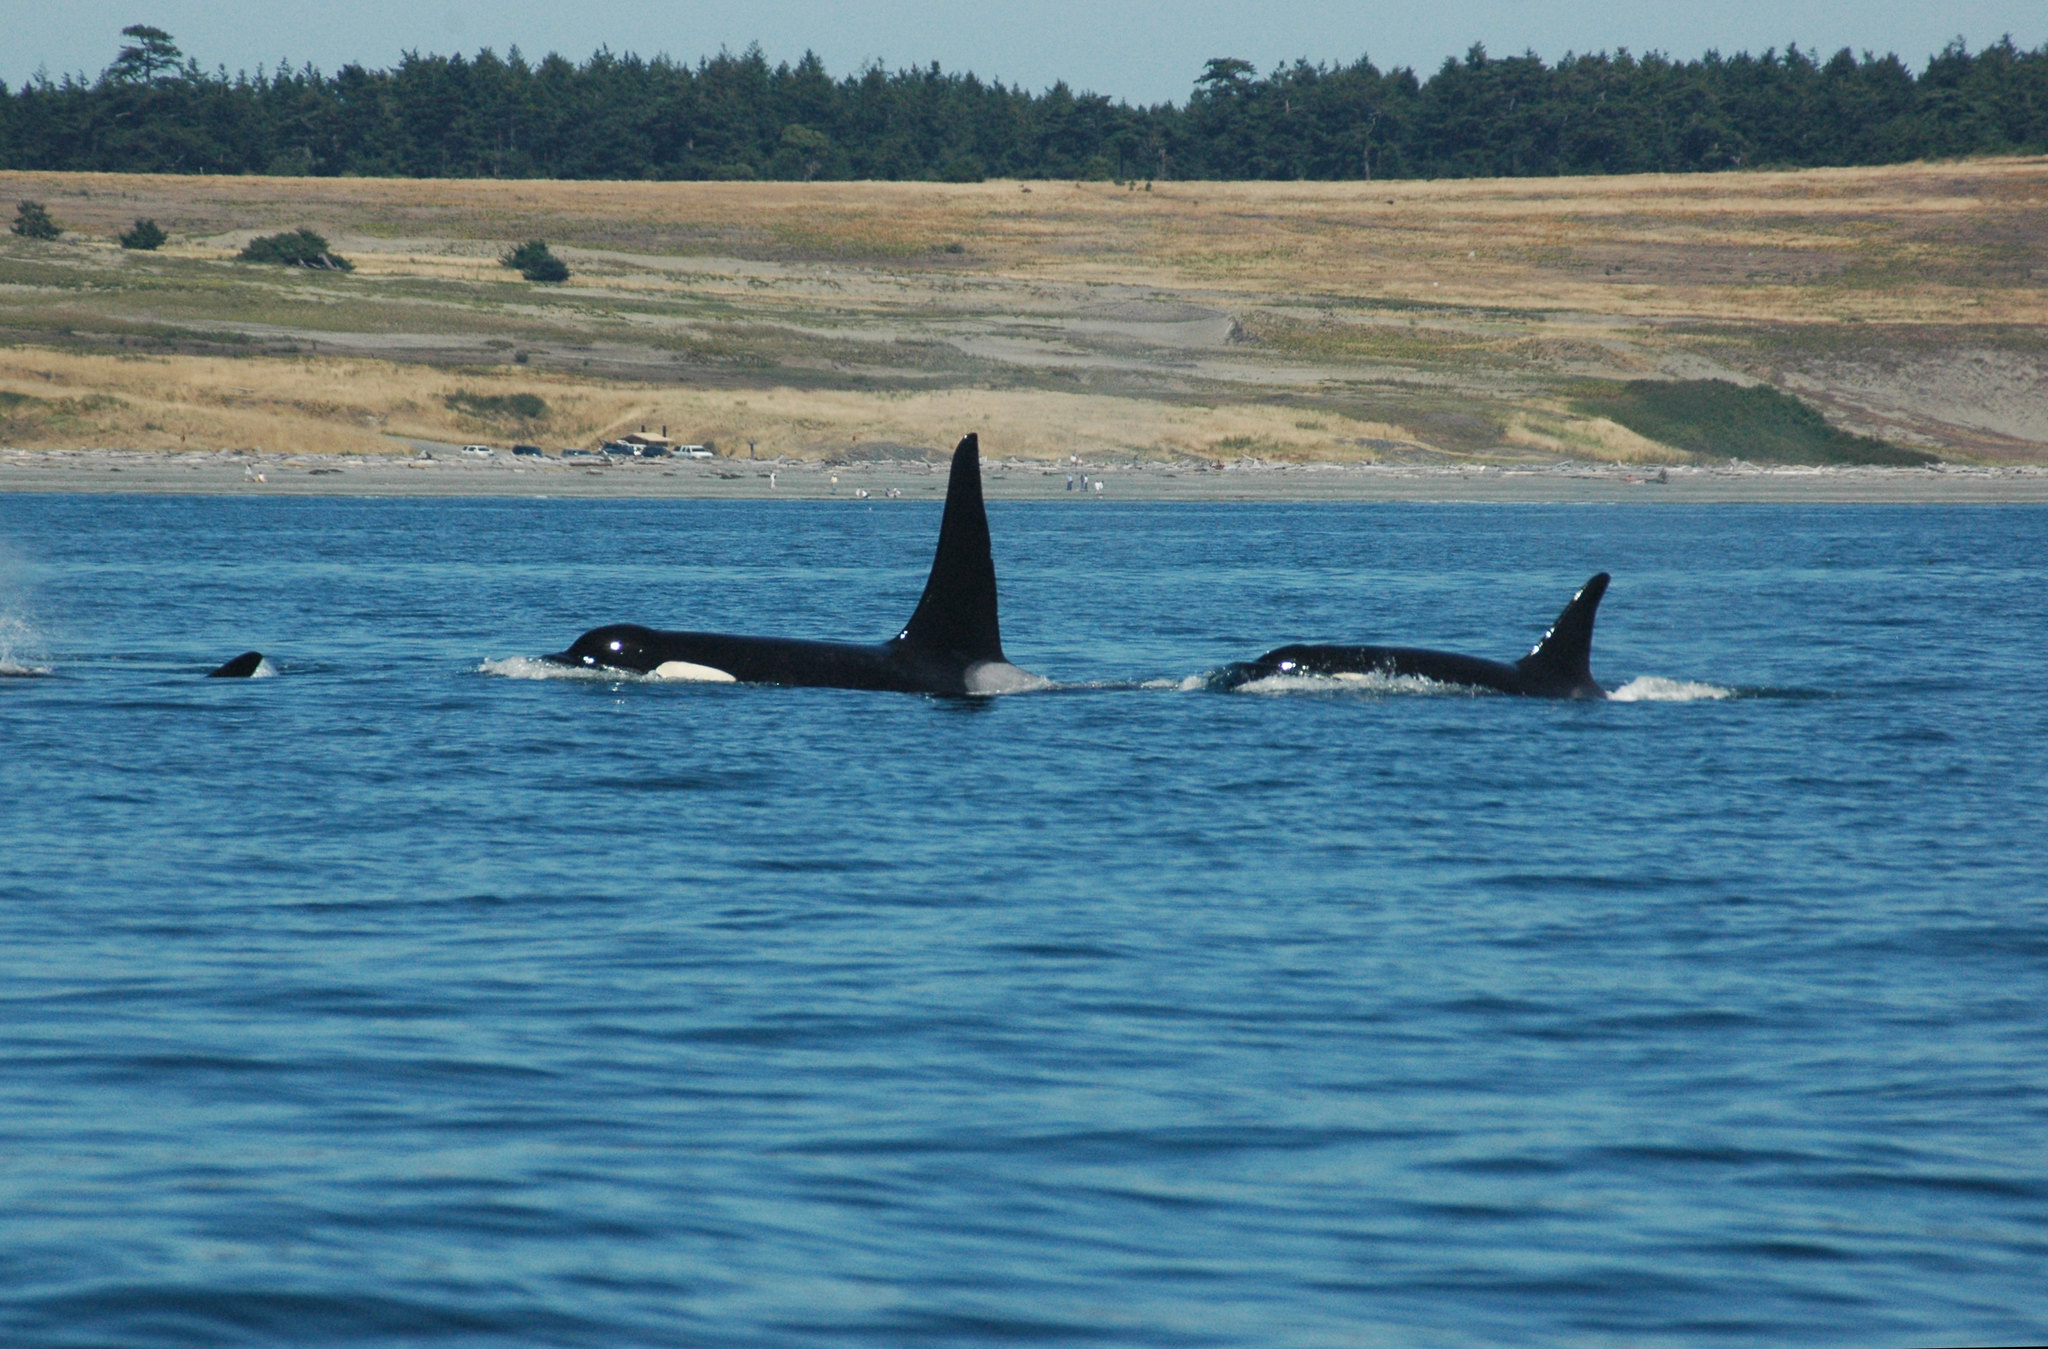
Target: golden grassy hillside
[(1282, 320)]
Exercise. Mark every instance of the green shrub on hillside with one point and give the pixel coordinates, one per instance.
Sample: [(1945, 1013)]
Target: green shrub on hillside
[(529, 407), (31, 221), (1720, 420), (145, 237), (533, 261), (298, 248)]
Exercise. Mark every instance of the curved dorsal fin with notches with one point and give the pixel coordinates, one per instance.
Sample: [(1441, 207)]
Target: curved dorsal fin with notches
[(1564, 658)]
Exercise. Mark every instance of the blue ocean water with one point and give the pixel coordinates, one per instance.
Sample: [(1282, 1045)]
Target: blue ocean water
[(399, 999)]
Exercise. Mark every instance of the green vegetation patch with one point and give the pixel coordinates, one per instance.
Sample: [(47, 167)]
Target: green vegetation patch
[(32, 221), (296, 248), (1720, 420), (535, 262), (152, 110), (56, 407), (1316, 340), (526, 407), (25, 415), (146, 237)]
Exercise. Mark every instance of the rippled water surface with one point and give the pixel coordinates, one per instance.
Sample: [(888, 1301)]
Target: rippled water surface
[(396, 1001)]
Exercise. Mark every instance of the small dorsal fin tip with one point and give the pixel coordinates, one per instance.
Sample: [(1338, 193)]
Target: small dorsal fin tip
[(241, 667)]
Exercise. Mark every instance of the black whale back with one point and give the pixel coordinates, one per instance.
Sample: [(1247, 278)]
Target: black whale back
[(957, 615), (1561, 665)]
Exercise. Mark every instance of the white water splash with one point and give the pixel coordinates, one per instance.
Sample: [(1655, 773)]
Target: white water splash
[(1373, 683), (994, 679), (1654, 689), (18, 637), (532, 667)]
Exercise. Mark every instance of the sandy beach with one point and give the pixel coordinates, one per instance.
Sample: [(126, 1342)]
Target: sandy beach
[(449, 474)]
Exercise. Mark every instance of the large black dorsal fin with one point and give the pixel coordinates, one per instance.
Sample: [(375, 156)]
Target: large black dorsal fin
[(1564, 658), (958, 612)]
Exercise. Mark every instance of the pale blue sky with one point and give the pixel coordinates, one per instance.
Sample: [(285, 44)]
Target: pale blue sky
[(1142, 51)]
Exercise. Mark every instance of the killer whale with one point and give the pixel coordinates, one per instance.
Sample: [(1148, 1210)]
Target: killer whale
[(951, 645), (1558, 666), (241, 667)]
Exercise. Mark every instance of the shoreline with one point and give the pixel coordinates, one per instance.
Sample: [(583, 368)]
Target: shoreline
[(242, 473)]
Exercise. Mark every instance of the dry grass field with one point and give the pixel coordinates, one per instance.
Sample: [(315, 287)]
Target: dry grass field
[(1403, 322)]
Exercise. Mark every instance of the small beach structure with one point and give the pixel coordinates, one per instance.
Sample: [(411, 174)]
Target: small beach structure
[(648, 445)]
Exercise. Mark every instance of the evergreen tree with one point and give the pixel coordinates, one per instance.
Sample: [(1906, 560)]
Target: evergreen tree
[(151, 52), (32, 221)]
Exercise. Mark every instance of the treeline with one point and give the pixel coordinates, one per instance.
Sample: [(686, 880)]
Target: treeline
[(736, 116)]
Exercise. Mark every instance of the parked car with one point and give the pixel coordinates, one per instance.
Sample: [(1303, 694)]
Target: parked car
[(530, 450), (479, 451), (694, 452), (620, 449)]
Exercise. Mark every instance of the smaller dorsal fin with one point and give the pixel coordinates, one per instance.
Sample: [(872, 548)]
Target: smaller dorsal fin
[(1564, 658), (957, 614), (241, 667)]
